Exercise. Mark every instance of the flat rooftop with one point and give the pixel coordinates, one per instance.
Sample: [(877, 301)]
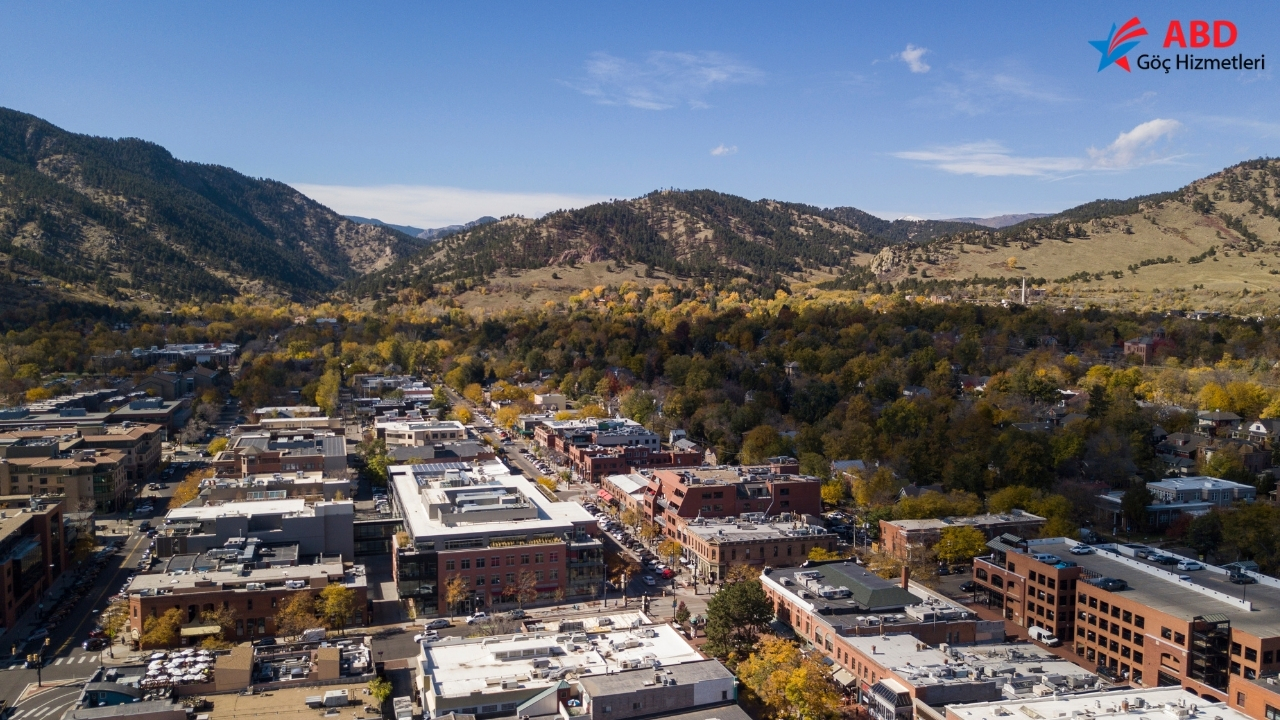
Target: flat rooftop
[(246, 508), (1161, 703), (839, 588), (219, 580), (289, 704), (722, 531), (969, 520), (921, 664), (458, 667), (1159, 587)]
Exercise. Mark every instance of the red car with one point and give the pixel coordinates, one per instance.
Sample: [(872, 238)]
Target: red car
[(97, 633), (667, 573)]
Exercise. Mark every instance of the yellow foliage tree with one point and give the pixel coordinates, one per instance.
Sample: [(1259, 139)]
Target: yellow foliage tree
[(474, 393), (218, 445), (835, 492), (508, 416), (462, 415), (790, 683), (877, 489), (960, 544), (937, 505)]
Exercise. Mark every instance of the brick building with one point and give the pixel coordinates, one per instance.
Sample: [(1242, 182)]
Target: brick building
[(712, 546), (32, 552), (776, 489), (87, 479), (1137, 619), (900, 537)]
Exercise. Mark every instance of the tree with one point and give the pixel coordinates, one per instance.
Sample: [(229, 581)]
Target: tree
[(1205, 533), (835, 492), (761, 443), (1227, 464), (592, 410), (526, 588), (788, 682), (926, 505), (217, 445), (336, 605), (638, 405), (462, 415), (455, 591), (880, 488), (508, 416), (1133, 506), (114, 618), (162, 630), (328, 390), (630, 517), (682, 613), (821, 554), (380, 689), (961, 543), (648, 532), (296, 615), (474, 393), (189, 488), (736, 616), (670, 549)]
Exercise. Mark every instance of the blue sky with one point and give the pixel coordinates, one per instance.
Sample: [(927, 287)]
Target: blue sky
[(432, 113)]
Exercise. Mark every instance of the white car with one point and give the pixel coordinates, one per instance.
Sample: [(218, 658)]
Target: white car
[(478, 617), (430, 635), (1189, 565), (1082, 550), (648, 580)]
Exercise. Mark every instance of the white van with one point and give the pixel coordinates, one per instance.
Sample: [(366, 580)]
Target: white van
[(1043, 635)]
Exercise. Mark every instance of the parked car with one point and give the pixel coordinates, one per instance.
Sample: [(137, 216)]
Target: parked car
[(1240, 578), (265, 642), (477, 617), (93, 644), (40, 634), (437, 624), (429, 635), (1190, 565), (1082, 550), (968, 586), (648, 580), (517, 614)]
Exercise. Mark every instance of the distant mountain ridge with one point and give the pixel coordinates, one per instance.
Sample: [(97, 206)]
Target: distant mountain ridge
[(688, 233), (1001, 221), (430, 233), (124, 218)]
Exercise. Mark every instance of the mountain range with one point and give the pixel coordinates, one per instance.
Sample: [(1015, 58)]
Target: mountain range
[(428, 234), (127, 218), (123, 220)]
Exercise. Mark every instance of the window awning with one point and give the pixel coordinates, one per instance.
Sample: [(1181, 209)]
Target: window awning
[(200, 630), (604, 495), (844, 677)]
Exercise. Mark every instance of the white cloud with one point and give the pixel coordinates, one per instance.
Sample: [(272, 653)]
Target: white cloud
[(992, 159), (662, 80), (976, 92), (428, 206), (914, 58), (723, 149), (1124, 152)]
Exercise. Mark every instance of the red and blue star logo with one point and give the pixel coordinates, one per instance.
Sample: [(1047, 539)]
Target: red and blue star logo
[(1119, 43)]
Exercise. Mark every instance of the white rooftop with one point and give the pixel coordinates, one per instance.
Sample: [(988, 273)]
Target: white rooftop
[(629, 483), (1161, 703), (458, 667), (1018, 663), (1199, 482), (250, 508)]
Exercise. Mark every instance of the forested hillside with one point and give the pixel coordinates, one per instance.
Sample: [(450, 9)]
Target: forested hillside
[(125, 219)]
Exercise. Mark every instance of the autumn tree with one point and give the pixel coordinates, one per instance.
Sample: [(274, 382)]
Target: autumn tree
[(960, 543), (835, 492), (296, 615), (217, 445), (788, 682), (455, 591), (670, 549), (336, 605), (638, 405), (162, 630), (736, 616), (114, 618), (474, 393), (328, 389), (648, 532), (821, 554), (873, 489), (630, 517), (380, 689), (526, 588)]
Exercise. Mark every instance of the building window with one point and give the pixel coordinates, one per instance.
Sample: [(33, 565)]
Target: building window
[(1235, 649), (1251, 654), (1127, 616), (466, 564), (1139, 621), (1166, 633), (1180, 639), (553, 557), (1267, 657), (1272, 713), (495, 561), (524, 559), (496, 579), (537, 558), (511, 577), (479, 562), (448, 564)]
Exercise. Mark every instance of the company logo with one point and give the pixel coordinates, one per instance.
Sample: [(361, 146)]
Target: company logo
[(1117, 45)]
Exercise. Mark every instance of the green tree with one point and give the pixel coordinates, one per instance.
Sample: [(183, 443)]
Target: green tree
[(1133, 506), (736, 616), (162, 630), (682, 613), (336, 605), (960, 543), (762, 442), (639, 405)]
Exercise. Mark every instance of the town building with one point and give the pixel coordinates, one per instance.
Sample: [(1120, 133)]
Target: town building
[(311, 486), (620, 666), (829, 603), (558, 436), (318, 528), (458, 451), (1175, 497), (495, 532), (1210, 423), (52, 466), (713, 545), (220, 580), (417, 433), (594, 462), (1137, 620), (174, 385), (139, 445), (550, 402), (902, 538), (1162, 703), (33, 552), (631, 491), (285, 451), (898, 677), (776, 489)]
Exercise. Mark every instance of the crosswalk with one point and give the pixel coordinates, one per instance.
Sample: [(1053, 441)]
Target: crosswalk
[(72, 660), (36, 713)]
